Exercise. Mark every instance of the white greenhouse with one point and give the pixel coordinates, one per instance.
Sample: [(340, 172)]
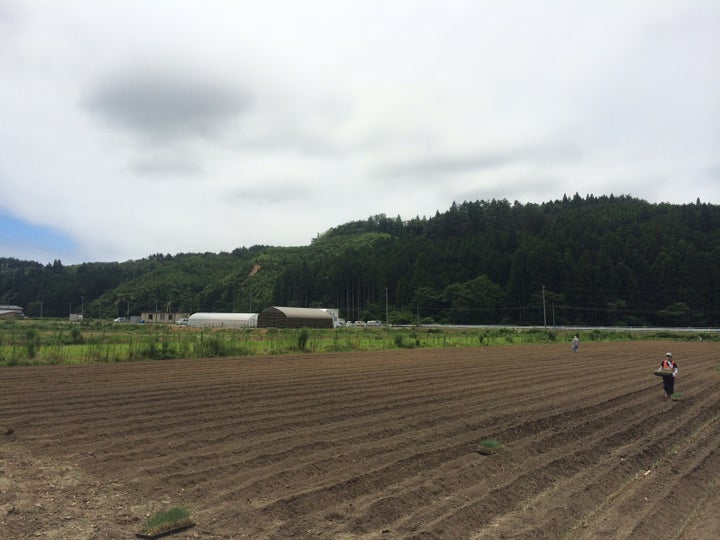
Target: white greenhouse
[(223, 320)]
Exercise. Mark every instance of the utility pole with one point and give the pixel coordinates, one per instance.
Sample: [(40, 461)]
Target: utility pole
[(544, 313)]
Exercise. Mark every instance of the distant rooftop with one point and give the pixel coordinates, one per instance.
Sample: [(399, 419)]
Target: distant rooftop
[(11, 311)]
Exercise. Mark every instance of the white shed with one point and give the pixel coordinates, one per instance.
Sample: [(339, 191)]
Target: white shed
[(223, 320)]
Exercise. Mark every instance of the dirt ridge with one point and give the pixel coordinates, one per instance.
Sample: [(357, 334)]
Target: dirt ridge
[(378, 445)]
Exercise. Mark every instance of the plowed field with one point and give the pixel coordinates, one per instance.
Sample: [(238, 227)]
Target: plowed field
[(369, 445)]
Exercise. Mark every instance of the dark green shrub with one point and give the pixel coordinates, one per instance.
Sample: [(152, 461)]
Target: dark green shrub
[(212, 346), (32, 342), (302, 340), (76, 337), (162, 351), (404, 342)]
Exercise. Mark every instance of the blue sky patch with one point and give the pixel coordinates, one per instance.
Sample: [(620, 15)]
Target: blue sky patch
[(16, 232)]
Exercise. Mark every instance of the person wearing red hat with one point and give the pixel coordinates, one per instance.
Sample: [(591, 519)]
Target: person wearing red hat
[(669, 379)]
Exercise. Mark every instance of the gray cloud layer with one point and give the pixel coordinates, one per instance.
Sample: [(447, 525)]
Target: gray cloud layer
[(206, 119), (164, 105)]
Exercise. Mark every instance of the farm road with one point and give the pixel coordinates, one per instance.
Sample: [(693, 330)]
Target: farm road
[(369, 445)]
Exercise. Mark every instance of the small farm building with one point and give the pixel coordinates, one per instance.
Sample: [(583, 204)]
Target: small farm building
[(294, 317), (223, 320), (162, 317), (11, 312)]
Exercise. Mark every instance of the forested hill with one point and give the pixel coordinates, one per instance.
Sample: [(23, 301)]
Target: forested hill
[(593, 260)]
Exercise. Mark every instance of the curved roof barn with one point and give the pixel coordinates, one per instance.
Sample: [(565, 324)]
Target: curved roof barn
[(223, 320), (294, 317)]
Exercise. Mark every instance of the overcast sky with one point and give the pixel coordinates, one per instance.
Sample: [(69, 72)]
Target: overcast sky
[(129, 128)]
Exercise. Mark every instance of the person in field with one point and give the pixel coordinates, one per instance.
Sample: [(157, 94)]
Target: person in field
[(669, 379), (575, 344)]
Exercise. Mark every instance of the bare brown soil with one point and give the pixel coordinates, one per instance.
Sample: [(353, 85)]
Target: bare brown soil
[(368, 445)]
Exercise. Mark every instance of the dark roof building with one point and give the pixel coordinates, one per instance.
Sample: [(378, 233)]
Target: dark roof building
[(294, 317), (11, 312)]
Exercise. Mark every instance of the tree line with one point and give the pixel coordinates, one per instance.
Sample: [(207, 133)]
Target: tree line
[(599, 261)]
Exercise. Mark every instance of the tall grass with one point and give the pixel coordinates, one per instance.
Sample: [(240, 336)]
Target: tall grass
[(60, 342)]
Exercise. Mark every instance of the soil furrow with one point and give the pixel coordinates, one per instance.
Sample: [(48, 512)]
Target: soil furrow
[(368, 445)]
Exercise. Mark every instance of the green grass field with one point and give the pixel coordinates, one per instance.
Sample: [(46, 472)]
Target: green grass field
[(48, 341)]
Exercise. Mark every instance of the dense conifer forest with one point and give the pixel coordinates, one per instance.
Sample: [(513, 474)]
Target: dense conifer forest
[(598, 261)]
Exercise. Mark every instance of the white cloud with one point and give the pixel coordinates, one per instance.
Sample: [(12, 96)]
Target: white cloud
[(142, 127)]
